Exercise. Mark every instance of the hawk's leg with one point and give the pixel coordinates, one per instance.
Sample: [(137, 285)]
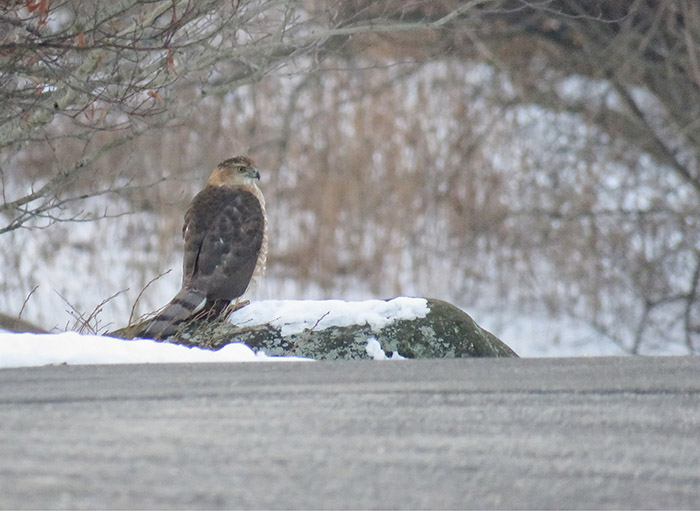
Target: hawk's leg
[(221, 309), (212, 311), (234, 306)]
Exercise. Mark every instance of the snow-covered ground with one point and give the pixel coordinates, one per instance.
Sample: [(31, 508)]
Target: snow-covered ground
[(22, 350), (31, 350), (27, 350), (526, 336), (536, 335)]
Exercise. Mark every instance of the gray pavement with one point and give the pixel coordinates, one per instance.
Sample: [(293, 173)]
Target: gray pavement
[(475, 433)]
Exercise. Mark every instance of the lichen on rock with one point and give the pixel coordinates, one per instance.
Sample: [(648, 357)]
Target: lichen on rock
[(441, 330)]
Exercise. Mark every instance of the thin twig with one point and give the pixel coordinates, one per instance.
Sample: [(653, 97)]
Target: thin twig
[(74, 313), (96, 311), (133, 308), (81, 323), (319, 320), (24, 304)]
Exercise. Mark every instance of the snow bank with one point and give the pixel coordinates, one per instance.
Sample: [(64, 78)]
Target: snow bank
[(295, 316), (26, 350)]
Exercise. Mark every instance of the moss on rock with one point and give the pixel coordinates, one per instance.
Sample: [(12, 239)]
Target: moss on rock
[(445, 332)]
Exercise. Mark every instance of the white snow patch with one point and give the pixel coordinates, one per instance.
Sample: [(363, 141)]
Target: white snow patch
[(295, 316), (536, 335), (28, 350), (374, 350)]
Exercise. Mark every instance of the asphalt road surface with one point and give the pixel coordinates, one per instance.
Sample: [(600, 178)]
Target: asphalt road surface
[(475, 433)]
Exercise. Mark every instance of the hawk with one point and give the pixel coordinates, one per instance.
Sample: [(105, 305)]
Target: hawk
[(225, 235)]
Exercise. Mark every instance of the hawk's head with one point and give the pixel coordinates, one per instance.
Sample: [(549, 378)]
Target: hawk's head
[(239, 170)]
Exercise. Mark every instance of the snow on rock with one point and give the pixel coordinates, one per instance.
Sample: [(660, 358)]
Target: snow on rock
[(26, 350), (374, 350), (295, 316)]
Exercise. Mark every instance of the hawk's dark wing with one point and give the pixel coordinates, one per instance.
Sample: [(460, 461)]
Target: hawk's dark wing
[(223, 231)]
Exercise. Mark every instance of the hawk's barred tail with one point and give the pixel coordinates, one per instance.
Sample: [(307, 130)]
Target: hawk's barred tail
[(186, 303)]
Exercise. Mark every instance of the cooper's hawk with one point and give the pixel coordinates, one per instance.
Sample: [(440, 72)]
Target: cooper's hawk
[(225, 234)]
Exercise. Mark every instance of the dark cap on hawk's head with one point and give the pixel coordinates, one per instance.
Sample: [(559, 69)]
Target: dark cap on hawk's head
[(239, 170)]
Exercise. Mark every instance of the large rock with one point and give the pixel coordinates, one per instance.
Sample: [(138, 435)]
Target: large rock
[(411, 327)]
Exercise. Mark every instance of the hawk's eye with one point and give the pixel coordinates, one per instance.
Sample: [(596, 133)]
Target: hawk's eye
[(241, 170)]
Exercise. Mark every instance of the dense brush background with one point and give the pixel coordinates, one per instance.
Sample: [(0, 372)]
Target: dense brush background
[(535, 164)]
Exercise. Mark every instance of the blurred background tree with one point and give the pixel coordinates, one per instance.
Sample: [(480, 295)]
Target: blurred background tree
[(514, 157)]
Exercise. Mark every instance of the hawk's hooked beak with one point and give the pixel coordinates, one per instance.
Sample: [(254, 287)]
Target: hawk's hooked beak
[(253, 173)]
